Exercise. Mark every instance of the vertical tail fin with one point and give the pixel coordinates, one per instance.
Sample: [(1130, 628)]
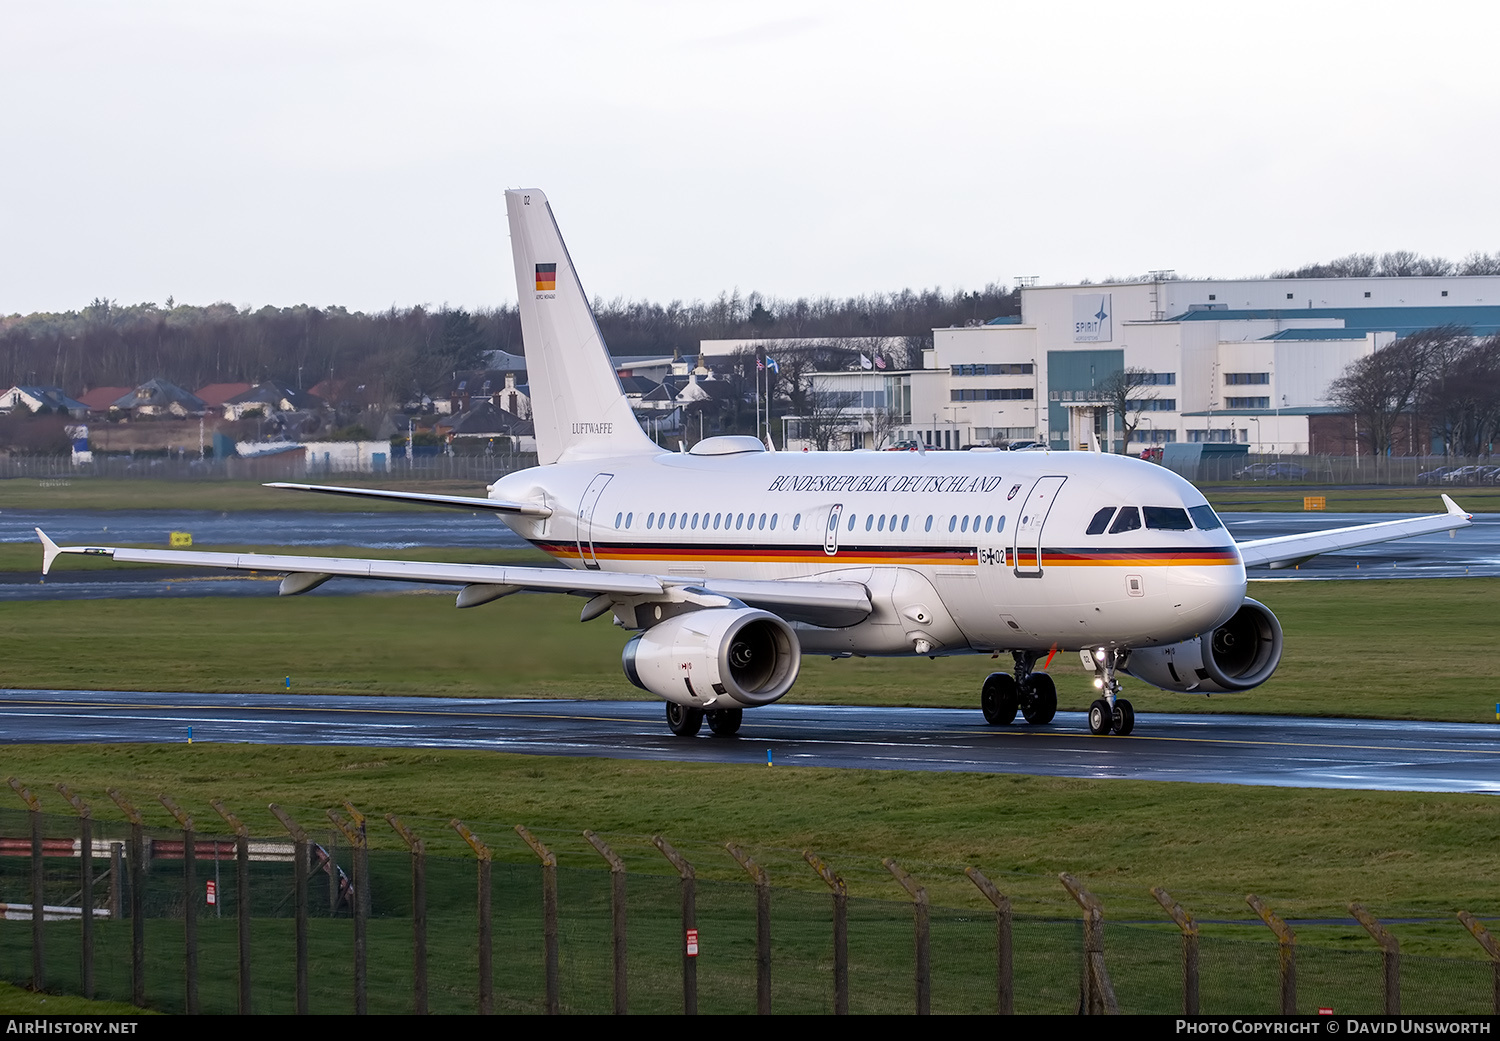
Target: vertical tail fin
[(576, 401)]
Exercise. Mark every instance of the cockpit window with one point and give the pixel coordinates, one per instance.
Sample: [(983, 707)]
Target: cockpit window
[(1128, 520), (1100, 524), (1205, 517), (1167, 518)]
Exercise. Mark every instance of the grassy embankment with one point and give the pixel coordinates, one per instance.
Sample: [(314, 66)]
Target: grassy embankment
[(1398, 649), (1308, 852)]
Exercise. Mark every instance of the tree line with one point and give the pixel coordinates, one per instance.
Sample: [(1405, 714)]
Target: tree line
[(1444, 379), (409, 351)]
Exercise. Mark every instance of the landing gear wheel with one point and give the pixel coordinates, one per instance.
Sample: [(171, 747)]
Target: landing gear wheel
[(1039, 701), (1101, 718), (683, 721), (1124, 718), (725, 722), (999, 699)]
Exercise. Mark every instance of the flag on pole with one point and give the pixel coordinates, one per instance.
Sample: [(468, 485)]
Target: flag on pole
[(771, 364), (865, 363), (759, 364), (879, 362)]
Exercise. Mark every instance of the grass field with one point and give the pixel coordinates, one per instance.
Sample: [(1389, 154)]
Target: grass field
[(1400, 649)]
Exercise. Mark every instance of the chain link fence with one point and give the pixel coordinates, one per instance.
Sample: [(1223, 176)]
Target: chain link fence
[(425, 952)]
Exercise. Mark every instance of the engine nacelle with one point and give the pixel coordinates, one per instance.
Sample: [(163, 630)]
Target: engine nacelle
[(1238, 655), (741, 656)]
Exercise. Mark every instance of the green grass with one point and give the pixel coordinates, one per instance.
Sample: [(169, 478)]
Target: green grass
[(1399, 650), (1239, 497), (1306, 852), (26, 557), (14, 1001)]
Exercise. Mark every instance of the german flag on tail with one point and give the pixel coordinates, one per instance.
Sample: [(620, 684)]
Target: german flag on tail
[(546, 277)]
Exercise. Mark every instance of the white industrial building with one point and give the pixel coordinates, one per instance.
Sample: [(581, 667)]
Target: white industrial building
[(1247, 362)]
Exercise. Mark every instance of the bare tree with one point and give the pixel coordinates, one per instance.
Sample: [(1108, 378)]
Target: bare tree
[(1126, 392), (826, 418), (1382, 389)]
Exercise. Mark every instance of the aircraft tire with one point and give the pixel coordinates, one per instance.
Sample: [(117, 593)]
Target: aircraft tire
[(1124, 720), (725, 722), (684, 721), (999, 699), (1041, 704), (1101, 718)]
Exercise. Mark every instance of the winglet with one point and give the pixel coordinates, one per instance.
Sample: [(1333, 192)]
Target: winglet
[(50, 550), (1455, 509)]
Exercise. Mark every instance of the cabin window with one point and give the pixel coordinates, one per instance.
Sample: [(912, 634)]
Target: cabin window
[(1100, 524), (976, 524), (650, 518), (762, 522), (628, 518), (796, 522), (870, 522), (1000, 524), (881, 527), (739, 522), (619, 517), (928, 526), (1167, 518), (1128, 520), (905, 517), (965, 525), (952, 523), (672, 521), (773, 520), (988, 523), (851, 522)]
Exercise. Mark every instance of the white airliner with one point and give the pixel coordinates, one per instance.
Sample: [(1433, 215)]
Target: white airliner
[(730, 561)]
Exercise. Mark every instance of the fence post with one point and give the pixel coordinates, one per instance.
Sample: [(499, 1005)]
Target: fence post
[(1098, 991), (301, 860), (418, 912), (1005, 1001), (1491, 947), (1390, 956), (354, 831), (1286, 942), (840, 931), (116, 876), (549, 915), (241, 897), (617, 917), (189, 904), (762, 927), (1189, 948), (136, 857), (486, 942), (689, 924), (923, 935), (86, 868), (38, 891)]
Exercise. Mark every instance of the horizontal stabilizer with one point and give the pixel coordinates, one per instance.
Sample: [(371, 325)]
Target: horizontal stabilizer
[(457, 502)]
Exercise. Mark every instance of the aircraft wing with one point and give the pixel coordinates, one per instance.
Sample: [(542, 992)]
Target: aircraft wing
[(459, 502), (821, 603), (1287, 550)]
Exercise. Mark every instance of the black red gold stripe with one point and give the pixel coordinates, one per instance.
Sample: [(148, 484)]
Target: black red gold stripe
[(546, 277), (911, 556)]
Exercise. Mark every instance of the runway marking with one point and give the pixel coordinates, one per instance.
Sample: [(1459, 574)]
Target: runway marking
[(564, 716)]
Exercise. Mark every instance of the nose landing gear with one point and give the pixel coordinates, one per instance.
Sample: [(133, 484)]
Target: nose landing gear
[(1111, 713), (1033, 694)]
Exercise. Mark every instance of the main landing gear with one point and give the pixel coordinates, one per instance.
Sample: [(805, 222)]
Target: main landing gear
[(686, 722), (1111, 713), (1032, 693)]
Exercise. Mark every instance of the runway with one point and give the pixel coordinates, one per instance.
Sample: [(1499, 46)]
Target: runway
[(1230, 749)]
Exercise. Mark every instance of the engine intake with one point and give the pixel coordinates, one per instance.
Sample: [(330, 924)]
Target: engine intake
[(748, 657), (1238, 655)]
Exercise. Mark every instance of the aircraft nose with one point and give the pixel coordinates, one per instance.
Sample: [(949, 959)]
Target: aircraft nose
[(1207, 597)]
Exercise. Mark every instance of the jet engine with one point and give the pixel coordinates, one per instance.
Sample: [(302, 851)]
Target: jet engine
[(1238, 655), (724, 657)]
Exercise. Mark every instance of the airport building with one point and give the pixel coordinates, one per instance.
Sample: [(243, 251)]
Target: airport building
[(1245, 362)]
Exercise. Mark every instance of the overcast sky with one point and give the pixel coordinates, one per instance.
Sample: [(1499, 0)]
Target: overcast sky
[(356, 154)]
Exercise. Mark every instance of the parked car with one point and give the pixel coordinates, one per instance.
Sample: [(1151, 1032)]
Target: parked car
[(901, 446), (1271, 472), (1433, 476)]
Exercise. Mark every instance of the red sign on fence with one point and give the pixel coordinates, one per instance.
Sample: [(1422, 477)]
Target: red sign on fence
[(213, 893), (692, 943)]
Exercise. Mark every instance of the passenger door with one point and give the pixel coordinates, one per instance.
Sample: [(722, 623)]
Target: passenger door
[(1033, 515)]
